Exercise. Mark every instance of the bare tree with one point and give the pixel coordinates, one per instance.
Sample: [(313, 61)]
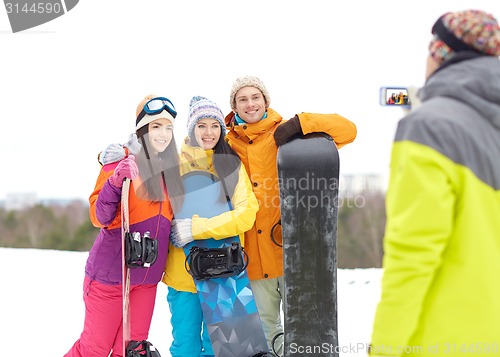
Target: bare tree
[(361, 231)]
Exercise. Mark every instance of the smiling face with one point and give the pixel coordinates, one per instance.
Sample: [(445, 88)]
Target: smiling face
[(207, 133), (160, 134), (250, 104)]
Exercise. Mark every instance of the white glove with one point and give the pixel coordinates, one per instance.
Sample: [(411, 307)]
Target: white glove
[(116, 152), (133, 145), (113, 153), (180, 232)]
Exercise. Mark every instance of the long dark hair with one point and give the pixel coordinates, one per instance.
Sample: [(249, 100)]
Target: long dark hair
[(160, 171), (227, 166)]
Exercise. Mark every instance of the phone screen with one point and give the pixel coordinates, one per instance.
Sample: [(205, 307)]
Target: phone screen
[(395, 96)]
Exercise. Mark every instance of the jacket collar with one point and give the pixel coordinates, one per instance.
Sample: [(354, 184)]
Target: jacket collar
[(252, 131), (195, 158)]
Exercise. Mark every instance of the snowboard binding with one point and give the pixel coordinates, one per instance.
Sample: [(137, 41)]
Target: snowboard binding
[(140, 252), (206, 263), (141, 349)]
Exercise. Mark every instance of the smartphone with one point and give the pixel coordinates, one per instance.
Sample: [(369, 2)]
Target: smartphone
[(395, 97)]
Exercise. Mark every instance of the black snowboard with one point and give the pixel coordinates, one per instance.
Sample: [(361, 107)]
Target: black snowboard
[(308, 172)]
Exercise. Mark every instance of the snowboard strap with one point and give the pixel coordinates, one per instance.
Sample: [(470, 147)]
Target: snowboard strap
[(272, 234), (264, 354), (141, 349), (273, 342), (226, 193), (206, 263), (140, 252)]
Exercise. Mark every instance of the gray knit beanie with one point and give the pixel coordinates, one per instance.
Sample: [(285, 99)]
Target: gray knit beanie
[(248, 81)]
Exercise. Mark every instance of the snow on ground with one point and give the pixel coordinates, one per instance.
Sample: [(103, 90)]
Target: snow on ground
[(42, 311)]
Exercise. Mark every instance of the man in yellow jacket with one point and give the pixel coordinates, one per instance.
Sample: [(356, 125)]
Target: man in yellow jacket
[(255, 133), (440, 290)]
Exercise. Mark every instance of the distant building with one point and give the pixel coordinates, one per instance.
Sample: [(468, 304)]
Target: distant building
[(354, 184), (19, 201)]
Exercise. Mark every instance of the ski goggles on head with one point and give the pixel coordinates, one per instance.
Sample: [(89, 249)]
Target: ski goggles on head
[(156, 106)]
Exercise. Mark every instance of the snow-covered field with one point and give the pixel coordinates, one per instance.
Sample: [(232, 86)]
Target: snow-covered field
[(41, 307)]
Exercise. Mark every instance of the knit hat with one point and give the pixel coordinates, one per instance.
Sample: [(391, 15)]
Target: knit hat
[(248, 81), (200, 108), (469, 30), (150, 118)]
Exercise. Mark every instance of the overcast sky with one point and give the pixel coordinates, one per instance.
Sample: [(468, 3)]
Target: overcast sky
[(70, 87)]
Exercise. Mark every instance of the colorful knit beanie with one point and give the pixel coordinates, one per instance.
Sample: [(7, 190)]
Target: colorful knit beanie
[(248, 81), (469, 30), (200, 108)]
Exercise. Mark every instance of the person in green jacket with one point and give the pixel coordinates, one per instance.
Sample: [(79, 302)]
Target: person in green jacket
[(440, 291)]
